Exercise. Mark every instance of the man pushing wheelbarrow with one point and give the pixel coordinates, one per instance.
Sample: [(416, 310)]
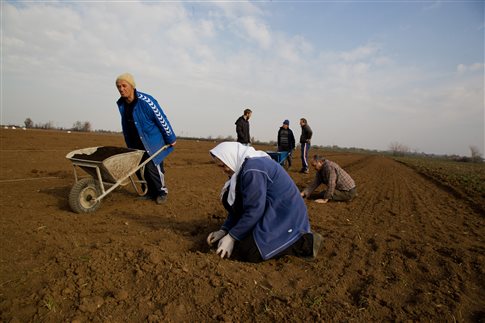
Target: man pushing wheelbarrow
[(145, 127), (149, 137)]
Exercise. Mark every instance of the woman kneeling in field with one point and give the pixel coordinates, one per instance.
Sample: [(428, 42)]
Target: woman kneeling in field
[(267, 217)]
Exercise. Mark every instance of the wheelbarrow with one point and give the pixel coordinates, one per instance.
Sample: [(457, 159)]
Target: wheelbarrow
[(281, 157), (109, 167)]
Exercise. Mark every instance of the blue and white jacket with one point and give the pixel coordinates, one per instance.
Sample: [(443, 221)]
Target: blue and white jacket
[(269, 206), (153, 126)]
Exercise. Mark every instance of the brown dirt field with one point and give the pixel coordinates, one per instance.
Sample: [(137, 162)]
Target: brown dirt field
[(404, 249)]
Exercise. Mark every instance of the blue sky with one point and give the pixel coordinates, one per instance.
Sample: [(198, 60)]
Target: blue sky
[(364, 73)]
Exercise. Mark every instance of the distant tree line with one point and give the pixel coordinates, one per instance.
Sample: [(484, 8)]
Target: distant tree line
[(399, 149), (82, 126), (395, 148)]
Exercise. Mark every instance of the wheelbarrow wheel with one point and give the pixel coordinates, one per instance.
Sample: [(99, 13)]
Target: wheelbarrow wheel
[(82, 198)]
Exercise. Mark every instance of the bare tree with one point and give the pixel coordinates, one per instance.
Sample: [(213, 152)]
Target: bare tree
[(398, 149), (77, 126), (81, 126), (29, 123), (47, 125), (86, 126), (476, 156)]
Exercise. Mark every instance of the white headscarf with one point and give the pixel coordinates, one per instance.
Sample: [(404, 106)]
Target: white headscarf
[(233, 155)]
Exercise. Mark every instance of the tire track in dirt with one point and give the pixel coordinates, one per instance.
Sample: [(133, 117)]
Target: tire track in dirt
[(403, 250), (407, 230)]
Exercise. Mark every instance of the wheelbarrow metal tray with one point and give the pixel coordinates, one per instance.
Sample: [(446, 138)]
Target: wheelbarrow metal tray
[(114, 163)]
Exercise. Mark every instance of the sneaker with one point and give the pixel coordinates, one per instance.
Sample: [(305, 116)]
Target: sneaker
[(317, 243), (161, 199)]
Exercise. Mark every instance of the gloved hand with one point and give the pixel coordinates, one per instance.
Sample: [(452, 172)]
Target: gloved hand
[(215, 236), (225, 246)]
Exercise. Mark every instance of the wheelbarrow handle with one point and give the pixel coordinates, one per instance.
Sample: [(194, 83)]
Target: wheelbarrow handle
[(149, 159), (130, 173)]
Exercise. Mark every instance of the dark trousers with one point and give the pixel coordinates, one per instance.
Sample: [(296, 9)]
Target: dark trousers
[(341, 195), (246, 249), (155, 178)]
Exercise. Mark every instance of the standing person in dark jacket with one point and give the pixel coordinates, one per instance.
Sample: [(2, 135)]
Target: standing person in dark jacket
[(146, 127), (242, 128), (286, 140), (267, 218), (305, 141)]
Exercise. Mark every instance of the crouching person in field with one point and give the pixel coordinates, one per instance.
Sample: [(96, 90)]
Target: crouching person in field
[(340, 186), (267, 218)]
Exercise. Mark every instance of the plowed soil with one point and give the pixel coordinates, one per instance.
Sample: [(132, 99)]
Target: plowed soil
[(404, 249)]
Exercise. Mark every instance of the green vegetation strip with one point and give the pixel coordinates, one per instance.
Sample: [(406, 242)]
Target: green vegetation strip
[(465, 178)]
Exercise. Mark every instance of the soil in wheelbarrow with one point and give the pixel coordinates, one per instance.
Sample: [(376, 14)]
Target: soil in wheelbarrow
[(406, 249), (102, 153)]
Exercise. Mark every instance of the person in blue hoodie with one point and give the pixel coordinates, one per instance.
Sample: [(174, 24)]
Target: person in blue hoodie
[(146, 127), (267, 217)]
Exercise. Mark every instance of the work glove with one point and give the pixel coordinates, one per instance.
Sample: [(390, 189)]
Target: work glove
[(215, 236), (225, 247)]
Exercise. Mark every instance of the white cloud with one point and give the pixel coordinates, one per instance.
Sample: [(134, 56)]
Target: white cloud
[(476, 67), (257, 31), (296, 49), (360, 53), (193, 61), (233, 11)]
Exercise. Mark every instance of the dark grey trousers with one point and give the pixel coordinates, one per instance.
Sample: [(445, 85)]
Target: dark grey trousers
[(246, 249), (341, 195)]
